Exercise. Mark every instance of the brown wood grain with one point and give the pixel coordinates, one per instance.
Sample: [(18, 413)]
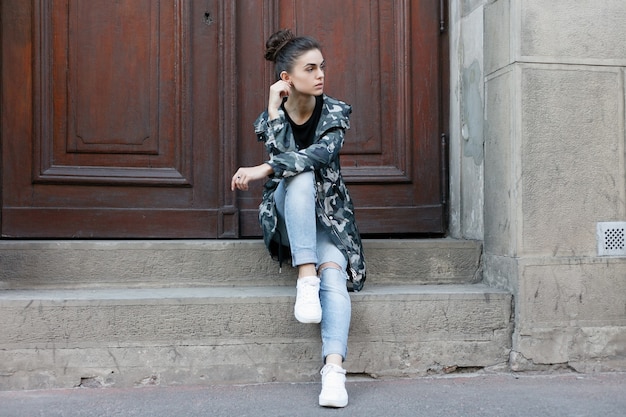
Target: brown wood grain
[(127, 118)]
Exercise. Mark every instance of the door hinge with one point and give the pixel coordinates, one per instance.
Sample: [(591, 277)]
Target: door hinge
[(442, 14)]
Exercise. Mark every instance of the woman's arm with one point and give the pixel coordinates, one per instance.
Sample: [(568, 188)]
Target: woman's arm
[(318, 155), (278, 91), (244, 175)]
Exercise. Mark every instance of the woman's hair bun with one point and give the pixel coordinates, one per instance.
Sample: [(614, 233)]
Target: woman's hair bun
[(276, 42)]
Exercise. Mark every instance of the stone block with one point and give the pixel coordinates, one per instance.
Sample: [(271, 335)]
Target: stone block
[(501, 272), (122, 338), (498, 36), (432, 261), (137, 264), (572, 311), (565, 31), (501, 166), (574, 292), (472, 126), (470, 6), (584, 349), (202, 263), (572, 127)]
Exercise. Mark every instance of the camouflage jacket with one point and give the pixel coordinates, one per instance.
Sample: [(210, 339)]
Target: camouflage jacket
[(334, 206)]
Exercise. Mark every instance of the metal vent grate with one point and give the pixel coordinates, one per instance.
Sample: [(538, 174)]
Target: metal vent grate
[(611, 238)]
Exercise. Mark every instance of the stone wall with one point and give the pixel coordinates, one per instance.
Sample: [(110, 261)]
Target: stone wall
[(466, 136), (554, 73)]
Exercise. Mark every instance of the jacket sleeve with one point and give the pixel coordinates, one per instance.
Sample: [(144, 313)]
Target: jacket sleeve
[(318, 155), (284, 157), (275, 134)]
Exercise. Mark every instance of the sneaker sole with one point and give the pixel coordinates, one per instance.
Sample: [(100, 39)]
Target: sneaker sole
[(308, 320), (333, 403)]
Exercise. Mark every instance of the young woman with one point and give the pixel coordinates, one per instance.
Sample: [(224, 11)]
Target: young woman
[(306, 209)]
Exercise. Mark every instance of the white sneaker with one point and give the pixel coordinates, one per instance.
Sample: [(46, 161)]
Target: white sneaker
[(334, 392), (308, 308)]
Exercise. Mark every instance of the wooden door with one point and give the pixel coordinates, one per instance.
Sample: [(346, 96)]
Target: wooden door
[(126, 118), (110, 120), (385, 59)]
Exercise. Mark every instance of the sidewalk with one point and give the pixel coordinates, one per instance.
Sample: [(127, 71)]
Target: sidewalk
[(479, 394)]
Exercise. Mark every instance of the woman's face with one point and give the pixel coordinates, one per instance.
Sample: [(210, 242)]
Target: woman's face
[(307, 74)]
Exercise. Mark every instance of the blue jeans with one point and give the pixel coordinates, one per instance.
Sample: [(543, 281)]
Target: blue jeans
[(311, 243)]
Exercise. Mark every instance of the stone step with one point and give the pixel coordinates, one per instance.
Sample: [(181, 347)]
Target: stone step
[(205, 335), (198, 263)]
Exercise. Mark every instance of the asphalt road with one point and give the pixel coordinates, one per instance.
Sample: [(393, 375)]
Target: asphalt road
[(497, 395)]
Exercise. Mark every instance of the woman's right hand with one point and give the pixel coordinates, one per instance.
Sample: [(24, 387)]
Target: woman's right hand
[(278, 91), (244, 175)]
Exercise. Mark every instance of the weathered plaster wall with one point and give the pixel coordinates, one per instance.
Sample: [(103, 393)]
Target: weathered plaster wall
[(554, 168), (466, 119)]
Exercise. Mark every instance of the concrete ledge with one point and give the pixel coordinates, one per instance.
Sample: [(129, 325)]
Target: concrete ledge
[(234, 335), (201, 263)]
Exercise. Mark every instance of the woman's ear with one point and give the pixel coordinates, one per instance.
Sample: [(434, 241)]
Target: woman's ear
[(285, 77)]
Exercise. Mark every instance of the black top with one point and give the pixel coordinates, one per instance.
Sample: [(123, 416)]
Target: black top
[(304, 134)]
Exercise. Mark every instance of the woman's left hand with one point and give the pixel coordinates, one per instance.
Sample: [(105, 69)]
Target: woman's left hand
[(244, 175)]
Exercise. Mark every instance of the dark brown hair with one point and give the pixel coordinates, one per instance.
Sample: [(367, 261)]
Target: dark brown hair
[(283, 48)]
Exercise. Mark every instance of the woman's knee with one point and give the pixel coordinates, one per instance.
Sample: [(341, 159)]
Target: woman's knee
[(333, 278), (302, 183), (327, 265)]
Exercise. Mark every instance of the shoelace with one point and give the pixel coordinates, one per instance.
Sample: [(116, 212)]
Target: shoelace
[(332, 369), (308, 290)]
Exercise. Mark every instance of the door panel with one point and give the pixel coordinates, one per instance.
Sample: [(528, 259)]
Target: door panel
[(126, 118), (109, 99), (109, 147)]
